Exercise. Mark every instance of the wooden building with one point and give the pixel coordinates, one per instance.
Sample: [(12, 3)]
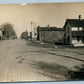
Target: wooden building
[(74, 31), (50, 34)]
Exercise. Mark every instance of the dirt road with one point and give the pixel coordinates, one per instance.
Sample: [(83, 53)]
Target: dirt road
[(22, 61)]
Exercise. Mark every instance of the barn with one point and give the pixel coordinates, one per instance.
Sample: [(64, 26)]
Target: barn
[(50, 34)]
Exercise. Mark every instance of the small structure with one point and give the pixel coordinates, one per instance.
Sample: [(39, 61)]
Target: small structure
[(74, 31), (50, 34)]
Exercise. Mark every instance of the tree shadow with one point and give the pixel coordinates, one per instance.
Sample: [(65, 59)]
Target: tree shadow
[(58, 72), (53, 71), (78, 73)]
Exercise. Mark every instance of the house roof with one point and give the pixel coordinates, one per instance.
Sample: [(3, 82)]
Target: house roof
[(75, 22), (50, 29)]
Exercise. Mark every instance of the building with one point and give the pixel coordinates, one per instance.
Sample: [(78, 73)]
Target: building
[(71, 33), (74, 31), (50, 34)]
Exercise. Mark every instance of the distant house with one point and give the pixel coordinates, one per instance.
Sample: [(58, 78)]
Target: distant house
[(74, 31), (50, 34)]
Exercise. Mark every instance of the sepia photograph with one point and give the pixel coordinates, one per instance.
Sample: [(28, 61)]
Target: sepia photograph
[(42, 42)]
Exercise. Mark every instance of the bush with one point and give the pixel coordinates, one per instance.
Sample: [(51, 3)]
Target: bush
[(24, 35)]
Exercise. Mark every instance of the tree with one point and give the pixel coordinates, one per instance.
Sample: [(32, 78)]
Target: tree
[(24, 35), (8, 31)]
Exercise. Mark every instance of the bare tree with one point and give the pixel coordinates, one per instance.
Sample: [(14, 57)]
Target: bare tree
[(8, 31)]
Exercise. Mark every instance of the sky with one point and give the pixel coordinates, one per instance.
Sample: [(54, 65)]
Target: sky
[(37, 1), (54, 14)]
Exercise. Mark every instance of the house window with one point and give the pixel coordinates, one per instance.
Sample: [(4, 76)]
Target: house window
[(80, 29), (74, 29)]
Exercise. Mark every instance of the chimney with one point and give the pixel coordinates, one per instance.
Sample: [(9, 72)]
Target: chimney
[(79, 17)]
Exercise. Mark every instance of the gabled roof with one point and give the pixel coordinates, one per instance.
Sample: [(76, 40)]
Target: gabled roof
[(75, 22)]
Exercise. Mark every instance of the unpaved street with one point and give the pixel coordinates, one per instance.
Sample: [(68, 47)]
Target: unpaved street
[(20, 60)]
